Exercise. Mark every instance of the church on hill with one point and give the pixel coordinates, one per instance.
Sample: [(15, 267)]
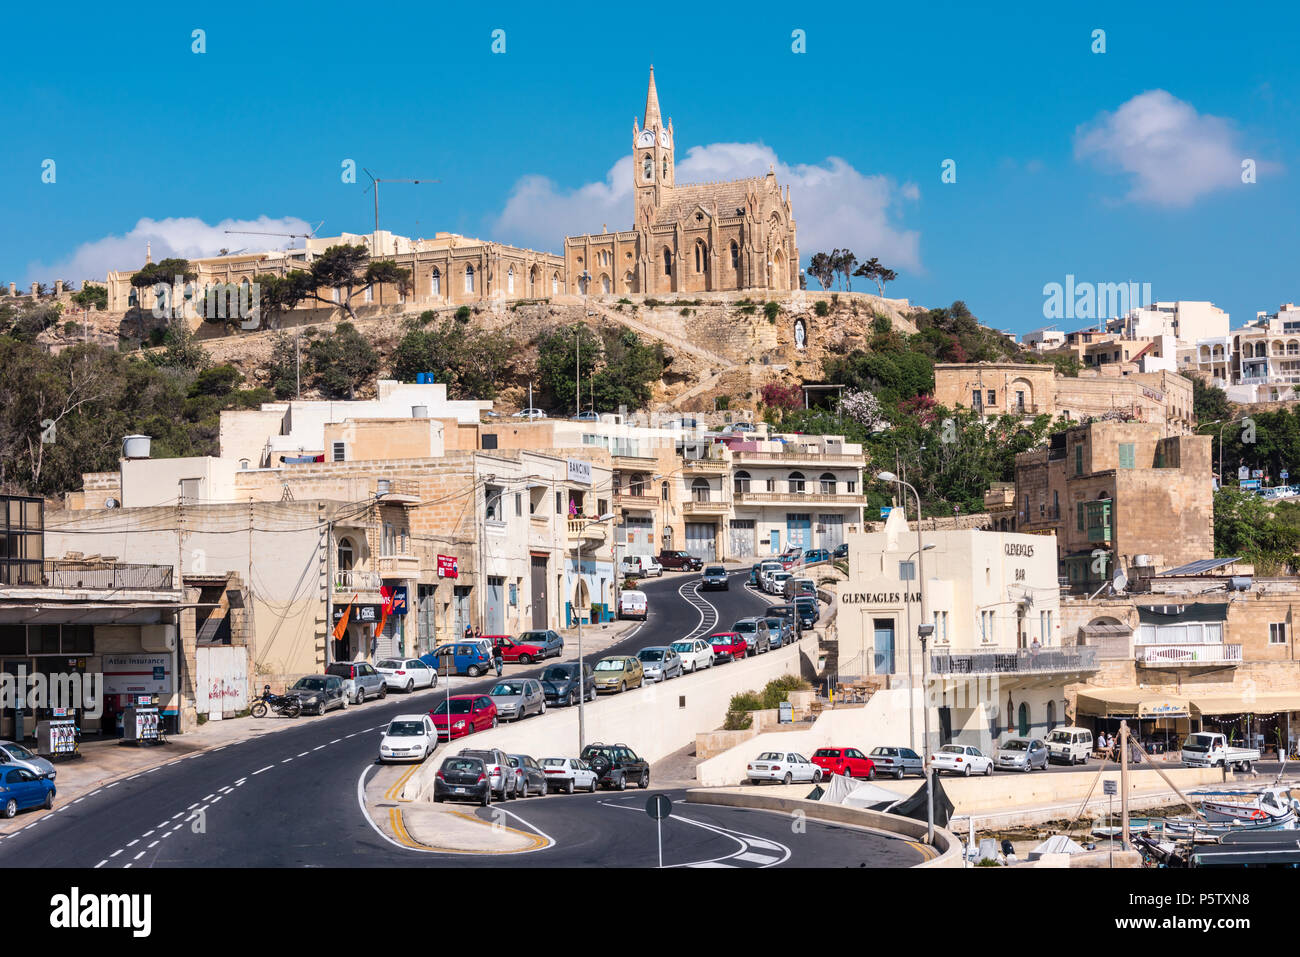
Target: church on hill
[(691, 237)]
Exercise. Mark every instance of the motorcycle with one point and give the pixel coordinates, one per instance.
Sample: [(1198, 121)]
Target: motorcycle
[(287, 705)]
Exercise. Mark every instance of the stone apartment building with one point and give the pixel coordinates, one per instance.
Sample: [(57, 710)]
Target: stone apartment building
[(1030, 388), (1191, 649), (1259, 362), (1118, 496), (686, 238)]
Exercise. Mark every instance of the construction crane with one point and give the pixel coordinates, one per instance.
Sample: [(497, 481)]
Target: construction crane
[(291, 236), (374, 182)]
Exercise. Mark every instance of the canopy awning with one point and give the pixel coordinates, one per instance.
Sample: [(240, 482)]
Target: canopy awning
[(1259, 702), (1131, 703), (1105, 631)]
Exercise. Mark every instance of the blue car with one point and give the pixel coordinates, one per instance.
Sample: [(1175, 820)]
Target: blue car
[(816, 555), (467, 658), (21, 789), (753, 573), (550, 641)]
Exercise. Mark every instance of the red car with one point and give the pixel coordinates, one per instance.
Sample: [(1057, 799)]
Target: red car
[(728, 646), (519, 652), (465, 713), (847, 761)]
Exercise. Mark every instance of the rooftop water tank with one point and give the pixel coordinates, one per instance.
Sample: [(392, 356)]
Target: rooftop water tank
[(136, 447), (419, 411)]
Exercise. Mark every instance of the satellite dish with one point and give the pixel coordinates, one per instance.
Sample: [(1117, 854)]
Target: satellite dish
[(1121, 582), (110, 503)]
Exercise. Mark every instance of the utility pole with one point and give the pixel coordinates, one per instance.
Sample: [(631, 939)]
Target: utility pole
[(329, 592)]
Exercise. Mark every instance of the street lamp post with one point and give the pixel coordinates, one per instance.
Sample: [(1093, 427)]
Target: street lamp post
[(923, 631), (582, 682), (911, 712)]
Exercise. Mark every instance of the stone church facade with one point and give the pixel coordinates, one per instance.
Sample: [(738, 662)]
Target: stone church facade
[(698, 237)]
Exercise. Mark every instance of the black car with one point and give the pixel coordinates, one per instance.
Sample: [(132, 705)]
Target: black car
[(462, 779), (715, 577), (531, 779), (808, 610), (615, 765), (841, 550), (560, 683), (789, 613)]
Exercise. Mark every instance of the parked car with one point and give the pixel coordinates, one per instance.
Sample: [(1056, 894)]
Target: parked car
[(1021, 754), (360, 679), (776, 582), (616, 765), (1070, 745), (897, 761), (696, 653), (569, 774), (587, 416), (13, 755), (501, 777), (560, 682), (652, 567), (618, 673), (808, 611), (548, 640), (462, 779), (961, 759), (715, 578), (753, 573), (754, 631), (849, 762), (633, 604), (795, 587), (22, 788), (766, 570), (407, 674), (779, 630), (464, 714), (518, 699), (660, 662), (789, 613), (841, 550), (728, 646), (461, 658), (641, 566), (408, 737), (680, 561), (520, 651), (784, 766), (529, 776), (530, 414), (816, 555), (319, 693)]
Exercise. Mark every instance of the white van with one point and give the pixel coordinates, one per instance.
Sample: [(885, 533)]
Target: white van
[(1069, 745), (633, 604), (642, 566)]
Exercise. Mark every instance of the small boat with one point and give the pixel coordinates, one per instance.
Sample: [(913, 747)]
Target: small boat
[(1270, 806)]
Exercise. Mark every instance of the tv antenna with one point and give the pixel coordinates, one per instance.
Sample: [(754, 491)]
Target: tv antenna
[(292, 236)]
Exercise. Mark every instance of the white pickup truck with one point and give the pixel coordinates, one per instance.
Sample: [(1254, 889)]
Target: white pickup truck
[(1208, 750)]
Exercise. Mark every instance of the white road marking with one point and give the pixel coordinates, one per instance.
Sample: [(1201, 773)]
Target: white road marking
[(148, 832), (757, 858), (214, 800), (136, 841), (94, 792), (152, 845), (317, 749), (125, 866), (286, 760), (226, 790), (100, 864), (138, 856), (78, 800), (115, 853), (192, 806), (168, 834), (177, 814), (303, 755), (113, 785), (267, 768), (208, 797), (336, 741)]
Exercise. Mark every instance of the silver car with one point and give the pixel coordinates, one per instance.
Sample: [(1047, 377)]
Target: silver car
[(518, 698), (660, 662), (1021, 754), (896, 761), (16, 756)]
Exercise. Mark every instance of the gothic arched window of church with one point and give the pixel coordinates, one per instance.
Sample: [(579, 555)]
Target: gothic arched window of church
[(604, 284), (435, 282), (648, 166), (510, 280), (665, 167), (735, 255), (701, 257), (668, 261), (555, 284), (469, 278)]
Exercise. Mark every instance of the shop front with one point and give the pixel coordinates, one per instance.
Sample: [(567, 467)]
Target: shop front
[(1159, 721), (1267, 720)]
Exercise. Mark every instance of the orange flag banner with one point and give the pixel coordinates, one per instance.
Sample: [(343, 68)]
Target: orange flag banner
[(341, 628)]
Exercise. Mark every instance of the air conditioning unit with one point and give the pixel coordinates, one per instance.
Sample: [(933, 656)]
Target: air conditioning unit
[(1141, 561)]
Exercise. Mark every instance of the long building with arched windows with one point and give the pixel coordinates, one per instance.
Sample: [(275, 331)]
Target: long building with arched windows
[(688, 238)]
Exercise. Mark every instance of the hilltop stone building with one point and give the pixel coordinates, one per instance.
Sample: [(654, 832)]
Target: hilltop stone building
[(698, 237)]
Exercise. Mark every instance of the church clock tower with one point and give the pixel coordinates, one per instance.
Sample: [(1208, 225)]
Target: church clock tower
[(652, 154)]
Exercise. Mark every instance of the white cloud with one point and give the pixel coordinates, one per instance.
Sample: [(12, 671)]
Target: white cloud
[(834, 204), (1175, 154), (186, 237)]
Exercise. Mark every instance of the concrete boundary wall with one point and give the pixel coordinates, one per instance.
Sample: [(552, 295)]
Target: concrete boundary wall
[(948, 846), (654, 721)]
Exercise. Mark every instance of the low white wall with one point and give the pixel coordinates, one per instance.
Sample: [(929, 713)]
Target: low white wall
[(650, 720), (883, 720)]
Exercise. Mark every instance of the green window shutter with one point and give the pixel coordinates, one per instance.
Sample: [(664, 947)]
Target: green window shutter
[(1078, 460), (1078, 515), (1126, 455)]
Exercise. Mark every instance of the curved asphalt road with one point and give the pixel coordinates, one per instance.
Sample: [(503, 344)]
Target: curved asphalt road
[(290, 799)]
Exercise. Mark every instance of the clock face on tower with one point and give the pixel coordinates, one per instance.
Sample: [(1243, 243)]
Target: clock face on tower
[(647, 138), (665, 140)]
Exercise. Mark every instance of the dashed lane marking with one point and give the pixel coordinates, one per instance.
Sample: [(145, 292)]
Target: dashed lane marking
[(267, 768)]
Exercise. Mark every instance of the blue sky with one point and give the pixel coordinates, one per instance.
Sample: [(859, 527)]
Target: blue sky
[(1114, 166)]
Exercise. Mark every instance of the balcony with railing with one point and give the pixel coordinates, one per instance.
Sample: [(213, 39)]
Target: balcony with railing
[(1192, 655), (808, 456), (357, 580), (105, 575), (588, 529), (801, 498), (705, 466), (705, 501), (1014, 661), (397, 491), (634, 496)]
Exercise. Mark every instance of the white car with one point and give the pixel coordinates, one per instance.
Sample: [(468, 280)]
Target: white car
[(652, 567), (408, 737), (530, 414), (569, 774), (961, 759), (776, 582), (784, 766), (407, 674), (696, 653), (766, 571)]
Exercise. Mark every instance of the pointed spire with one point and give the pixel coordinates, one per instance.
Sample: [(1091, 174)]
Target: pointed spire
[(148, 252), (652, 119)]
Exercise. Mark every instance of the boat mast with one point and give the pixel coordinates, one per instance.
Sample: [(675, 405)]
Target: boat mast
[(1123, 783)]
